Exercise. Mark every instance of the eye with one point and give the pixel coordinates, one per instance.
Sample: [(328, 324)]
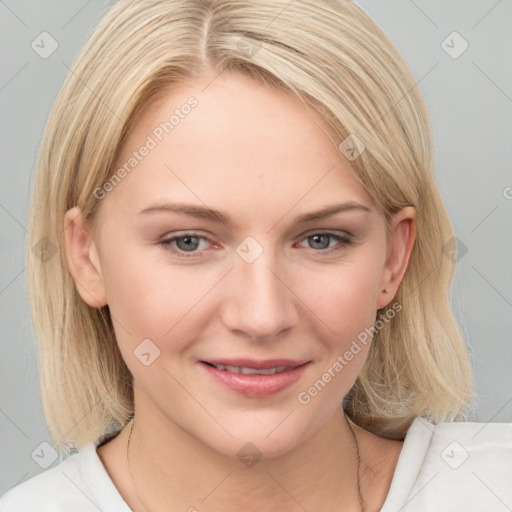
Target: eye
[(321, 240), (183, 244), (193, 245)]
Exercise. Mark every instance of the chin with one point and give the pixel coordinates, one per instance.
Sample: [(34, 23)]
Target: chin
[(259, 439)]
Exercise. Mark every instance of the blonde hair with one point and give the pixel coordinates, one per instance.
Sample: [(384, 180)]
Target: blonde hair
[(332, 57)]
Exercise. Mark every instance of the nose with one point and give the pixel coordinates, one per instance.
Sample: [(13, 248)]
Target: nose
[(259, 302)]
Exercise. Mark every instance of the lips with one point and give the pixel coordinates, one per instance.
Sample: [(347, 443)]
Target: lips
[(255, 378), (245, 370), (255, 363)]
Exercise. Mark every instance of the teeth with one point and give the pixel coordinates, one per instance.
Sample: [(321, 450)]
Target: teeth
[(248, 371), (252, 371), (269, 371)]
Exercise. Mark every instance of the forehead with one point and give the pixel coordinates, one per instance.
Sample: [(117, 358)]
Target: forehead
[(232, 144)]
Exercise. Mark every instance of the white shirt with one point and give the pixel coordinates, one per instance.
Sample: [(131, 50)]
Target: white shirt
[(459, 466)]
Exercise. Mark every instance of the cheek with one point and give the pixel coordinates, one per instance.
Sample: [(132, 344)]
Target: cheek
[(344, 296), (344, 302), (151, 298)]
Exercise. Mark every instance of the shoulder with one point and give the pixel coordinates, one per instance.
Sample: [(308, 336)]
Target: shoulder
[(79, 483), (479, 446), (456, 466), (54, 489)]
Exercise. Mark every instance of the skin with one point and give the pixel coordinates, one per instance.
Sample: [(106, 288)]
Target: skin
[(261, 157)]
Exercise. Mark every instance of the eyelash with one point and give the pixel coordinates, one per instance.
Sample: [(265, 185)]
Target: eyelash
[(343, 239)]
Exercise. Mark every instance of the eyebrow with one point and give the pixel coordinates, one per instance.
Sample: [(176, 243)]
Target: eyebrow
[(206, 213)]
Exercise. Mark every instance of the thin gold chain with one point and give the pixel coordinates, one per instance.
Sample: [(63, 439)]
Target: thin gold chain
[(359, 493), (362, 504), (129, 469)]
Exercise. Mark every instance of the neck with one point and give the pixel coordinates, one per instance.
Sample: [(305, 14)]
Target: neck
[(321, 473)]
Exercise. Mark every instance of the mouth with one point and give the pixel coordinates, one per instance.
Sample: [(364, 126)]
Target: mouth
[(246, 370), (255, 379)]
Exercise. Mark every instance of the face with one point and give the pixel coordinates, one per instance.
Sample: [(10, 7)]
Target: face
[(259, 288)]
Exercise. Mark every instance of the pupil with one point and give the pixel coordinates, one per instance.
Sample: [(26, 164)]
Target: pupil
[(315, 240), (187, 245)]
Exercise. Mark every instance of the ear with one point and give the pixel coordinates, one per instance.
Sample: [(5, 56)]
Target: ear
[(83, 260), (402, 236)]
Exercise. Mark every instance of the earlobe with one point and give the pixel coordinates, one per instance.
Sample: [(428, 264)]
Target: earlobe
[(403, 234), (83, 259)]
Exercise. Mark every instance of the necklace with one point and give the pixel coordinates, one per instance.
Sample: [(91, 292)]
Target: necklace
[(129, 469), (359, 494), (362, 504)]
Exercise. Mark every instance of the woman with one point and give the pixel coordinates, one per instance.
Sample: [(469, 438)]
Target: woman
[(249, 306)]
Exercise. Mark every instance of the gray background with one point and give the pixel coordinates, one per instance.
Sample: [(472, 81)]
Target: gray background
[(470, 102)]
